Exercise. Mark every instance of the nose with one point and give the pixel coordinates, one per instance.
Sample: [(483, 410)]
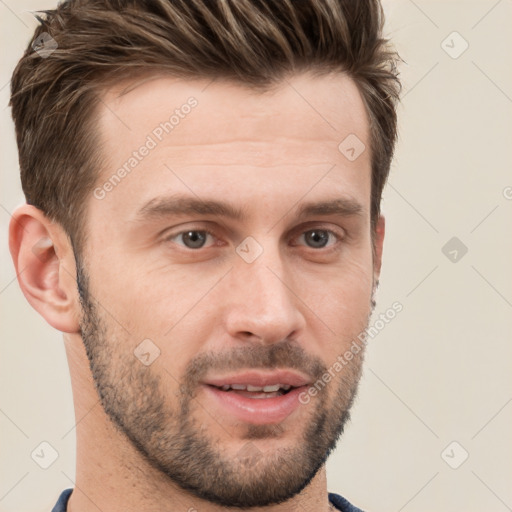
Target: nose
[(263, 305)]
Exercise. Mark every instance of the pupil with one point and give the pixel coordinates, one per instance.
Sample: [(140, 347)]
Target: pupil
[(319, 238), (194, 239)]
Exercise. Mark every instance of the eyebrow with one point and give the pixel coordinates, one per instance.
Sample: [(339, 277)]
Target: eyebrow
[(185, 205), (342, 206), (179, 205)]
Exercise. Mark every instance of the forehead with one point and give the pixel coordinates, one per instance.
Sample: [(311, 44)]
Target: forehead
[(330, 103), (217, 135)]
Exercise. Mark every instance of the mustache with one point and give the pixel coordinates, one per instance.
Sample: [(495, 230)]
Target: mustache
[(283, 354)]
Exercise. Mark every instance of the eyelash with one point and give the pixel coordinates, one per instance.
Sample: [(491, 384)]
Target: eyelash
[(339, 237)]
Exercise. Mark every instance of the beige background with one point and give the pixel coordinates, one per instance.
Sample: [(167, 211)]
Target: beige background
[(439, 372)]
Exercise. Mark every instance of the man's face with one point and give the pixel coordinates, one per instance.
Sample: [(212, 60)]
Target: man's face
[(189, 311)]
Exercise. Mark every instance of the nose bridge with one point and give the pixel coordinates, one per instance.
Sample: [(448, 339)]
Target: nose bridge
[(262, 303)]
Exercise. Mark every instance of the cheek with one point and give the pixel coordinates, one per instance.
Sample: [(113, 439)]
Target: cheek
[(144, 302), (341, 301)]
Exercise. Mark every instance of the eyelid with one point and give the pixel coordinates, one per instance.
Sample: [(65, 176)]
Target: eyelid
[(320, 225)]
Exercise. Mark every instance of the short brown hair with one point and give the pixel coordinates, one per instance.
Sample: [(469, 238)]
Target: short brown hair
[(252, 42)]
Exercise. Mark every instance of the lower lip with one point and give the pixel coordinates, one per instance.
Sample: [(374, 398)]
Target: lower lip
[(258, 411)]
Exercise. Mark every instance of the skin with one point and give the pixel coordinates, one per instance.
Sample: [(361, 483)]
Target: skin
[(265, 153)]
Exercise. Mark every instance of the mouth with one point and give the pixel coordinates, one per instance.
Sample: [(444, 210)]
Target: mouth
[(257, 392), (257, 397)]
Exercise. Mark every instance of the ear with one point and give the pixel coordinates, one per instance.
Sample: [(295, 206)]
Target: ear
[(45, 267), (378, 244)]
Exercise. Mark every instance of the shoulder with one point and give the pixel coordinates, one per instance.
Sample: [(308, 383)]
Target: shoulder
[(342, 504)]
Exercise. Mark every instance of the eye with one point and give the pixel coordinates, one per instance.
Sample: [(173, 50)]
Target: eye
[(319, 238), (191, 239)]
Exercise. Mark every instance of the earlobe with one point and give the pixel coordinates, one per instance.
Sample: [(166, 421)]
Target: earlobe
[(44, 262)]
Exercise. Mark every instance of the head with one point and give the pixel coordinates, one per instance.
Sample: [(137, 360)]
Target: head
[(194, 216)]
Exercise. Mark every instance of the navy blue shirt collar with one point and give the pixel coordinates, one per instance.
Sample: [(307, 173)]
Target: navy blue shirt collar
[(338, 501)]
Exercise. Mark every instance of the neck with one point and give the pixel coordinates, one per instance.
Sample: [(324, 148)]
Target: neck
[(111, 474)]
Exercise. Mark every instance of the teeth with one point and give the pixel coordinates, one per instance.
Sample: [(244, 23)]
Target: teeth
[(255, 389)]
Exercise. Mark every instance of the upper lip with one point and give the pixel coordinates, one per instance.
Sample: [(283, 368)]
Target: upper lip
[(260, 378)]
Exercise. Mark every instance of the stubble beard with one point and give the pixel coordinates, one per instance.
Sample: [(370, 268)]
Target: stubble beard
[(170, 439)]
